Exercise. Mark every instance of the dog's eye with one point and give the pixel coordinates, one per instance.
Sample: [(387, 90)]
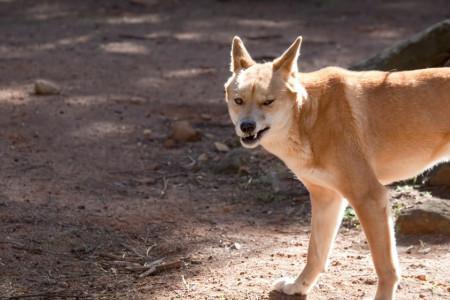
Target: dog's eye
[(268, 102), (238, 101)]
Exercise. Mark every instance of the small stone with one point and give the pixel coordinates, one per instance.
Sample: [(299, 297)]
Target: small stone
[(182, 131), (147, 133), (206, 117), (370, 281), (236, 246), (202, 157), (221, 147), (169, 143), (422, 277), (430, 217), (424, 250), (45, 87), (232, 162)]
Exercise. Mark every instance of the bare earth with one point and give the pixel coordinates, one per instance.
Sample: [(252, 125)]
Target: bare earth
[(89, 198)]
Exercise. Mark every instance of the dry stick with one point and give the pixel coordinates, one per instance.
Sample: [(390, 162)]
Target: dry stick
[(145, 267), (163, 267), (165, 184), (150, 248), (186, 285), (128, 247)]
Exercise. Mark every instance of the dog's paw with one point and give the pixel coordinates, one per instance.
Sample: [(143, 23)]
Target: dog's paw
[(287, 286)]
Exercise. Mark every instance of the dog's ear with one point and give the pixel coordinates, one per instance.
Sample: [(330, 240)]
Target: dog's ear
[(287, 62), (240, 58)]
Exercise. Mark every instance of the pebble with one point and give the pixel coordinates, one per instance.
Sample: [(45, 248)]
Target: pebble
[(45, 87)]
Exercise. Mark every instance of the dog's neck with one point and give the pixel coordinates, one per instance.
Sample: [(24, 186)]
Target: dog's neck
[(291, 144)]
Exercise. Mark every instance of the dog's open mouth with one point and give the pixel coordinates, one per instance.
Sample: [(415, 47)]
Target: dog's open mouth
[(254, 138)]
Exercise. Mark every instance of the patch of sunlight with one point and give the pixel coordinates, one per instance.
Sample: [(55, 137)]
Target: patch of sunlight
[(264, 23), (45, 11), (15, 95), (188, 73), (30, 50), (125, 48), (102, 129), (150, 82), (141, 19), (189, 36), (386, 33), (86, 100), (64, 42)]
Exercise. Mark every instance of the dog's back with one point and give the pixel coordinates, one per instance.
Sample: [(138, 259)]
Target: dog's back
[(401, 120)]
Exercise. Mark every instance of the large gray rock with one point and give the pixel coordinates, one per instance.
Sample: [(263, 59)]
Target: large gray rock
[(428, 48), (431, 217), (440, 176)]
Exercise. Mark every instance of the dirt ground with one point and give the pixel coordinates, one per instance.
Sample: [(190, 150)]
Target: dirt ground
[(89, 195)]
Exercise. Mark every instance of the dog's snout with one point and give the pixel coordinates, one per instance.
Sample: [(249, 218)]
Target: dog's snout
[(248, 126)]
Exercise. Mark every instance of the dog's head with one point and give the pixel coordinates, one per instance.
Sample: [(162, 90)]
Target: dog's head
[(261, 97)]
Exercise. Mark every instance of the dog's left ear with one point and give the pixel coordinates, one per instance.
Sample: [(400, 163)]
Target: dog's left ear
[(240, 58), (287, 62)]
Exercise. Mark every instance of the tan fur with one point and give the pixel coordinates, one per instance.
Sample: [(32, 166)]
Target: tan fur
[(344, 134)]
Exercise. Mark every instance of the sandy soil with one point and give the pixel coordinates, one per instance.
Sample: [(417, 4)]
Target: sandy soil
[(88, 195)]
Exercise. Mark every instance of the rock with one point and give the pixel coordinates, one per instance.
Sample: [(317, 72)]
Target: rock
[(45, 87), (422, 277), (431, 217), (236, 246), (428, 48), (169, 144), (206, 117), (182, 131), (147, 133), (233, 162), (202, 157), (441, 176), (221, 147)]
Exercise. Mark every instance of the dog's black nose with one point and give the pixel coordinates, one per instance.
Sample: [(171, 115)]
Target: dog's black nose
[(248, 126)]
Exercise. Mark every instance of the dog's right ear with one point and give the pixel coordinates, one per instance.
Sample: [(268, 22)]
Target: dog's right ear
[(240, 58)]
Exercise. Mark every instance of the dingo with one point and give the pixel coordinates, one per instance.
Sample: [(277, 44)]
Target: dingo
[(344, 134)]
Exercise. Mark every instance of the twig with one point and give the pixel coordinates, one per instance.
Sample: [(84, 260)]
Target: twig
[(150, 248), (147, 272), (165, 185), (186, 285), (163, 267), (155, 262), (132, 250)]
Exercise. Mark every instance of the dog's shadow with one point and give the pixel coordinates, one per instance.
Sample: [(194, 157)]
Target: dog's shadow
[(274, 295)]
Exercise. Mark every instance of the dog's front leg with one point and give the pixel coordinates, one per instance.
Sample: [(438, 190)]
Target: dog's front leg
[(327, 212)]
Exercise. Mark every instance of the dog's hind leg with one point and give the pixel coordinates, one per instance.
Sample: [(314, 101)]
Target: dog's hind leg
[(327, 212), (370, 201)]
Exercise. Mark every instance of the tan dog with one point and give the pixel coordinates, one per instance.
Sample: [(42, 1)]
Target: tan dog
[(344, 134)]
